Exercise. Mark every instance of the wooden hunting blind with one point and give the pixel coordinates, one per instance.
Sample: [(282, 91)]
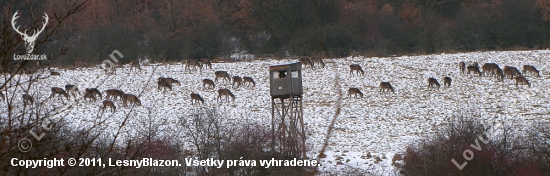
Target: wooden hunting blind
[(287, 123)]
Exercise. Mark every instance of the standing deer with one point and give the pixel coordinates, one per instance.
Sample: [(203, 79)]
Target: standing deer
[(135, 65), (530, 69), (57, 90), (222, 74), (522, 80), (474, 69), (238, 80), (432, 83), (191, 64), (208, 82), (89, 95), (385, 86), (447, 81), (355, 92), (511, 71), (130, 98), (94, 92), (110, 93), (206, 63), (317, 60), (357, 68), (171, 81), (462, 67), (110, 104), (226, 93), (499, 74), (72, 89), (306, 61), (27, 99), (249, 80), (164, 84), (196, 97)]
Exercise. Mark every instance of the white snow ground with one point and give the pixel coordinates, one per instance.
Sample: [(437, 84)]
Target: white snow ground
[(379, 124)]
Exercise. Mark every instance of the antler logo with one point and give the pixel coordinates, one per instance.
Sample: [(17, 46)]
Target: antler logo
[(29, 40)]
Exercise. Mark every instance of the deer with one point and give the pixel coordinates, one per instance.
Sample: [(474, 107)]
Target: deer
[(317, 60), (222, 74), (306, 61), (27, 99), (355, 92), (130, 98), (135, 65), (522, 80), (110, 93), (72, 90), (499, 74), (432, 83), (357, 68), (196, 97), (89, 95), (530, 69), (94, 92), (447, 81), (164, 84), (511, 71), (385, 86), (110, 104), (171, 81), (206, 63), (191, 64), (226, 93), (474, 69), (208, 82), (249, 80), (488, 68), (238, 80), (462, 67), (29, 40), (57, 90)]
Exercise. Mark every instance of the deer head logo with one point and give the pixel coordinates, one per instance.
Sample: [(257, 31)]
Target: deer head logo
[(29, 40)]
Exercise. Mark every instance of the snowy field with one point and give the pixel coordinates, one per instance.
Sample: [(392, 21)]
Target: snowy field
[(379, 124)]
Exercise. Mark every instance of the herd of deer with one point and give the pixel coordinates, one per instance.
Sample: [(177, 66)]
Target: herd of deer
[(490, 69)]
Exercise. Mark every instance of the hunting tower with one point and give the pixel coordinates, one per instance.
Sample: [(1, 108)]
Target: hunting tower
[(287, 122)]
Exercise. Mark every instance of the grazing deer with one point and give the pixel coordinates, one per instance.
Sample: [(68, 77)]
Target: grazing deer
[(306, 61), (135, 65), (222, 74), (474, 69), (191, 64), (110, 104), (27, 99), (357, 68), (94, 92), (164, 85), (130, 98), (226, 93), (384, 86), (208, 82), (447, 81), (511, 71), (72, 89), (499, 74), (522, 80), (238, 80), (89, 95), (206, 63), (171, 81), (57, 90), (249, 80), (354, 91), (462, 67), (196, 97), (432, 82), (488, 68), (530, 69), (110, 93), (317, 60)]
